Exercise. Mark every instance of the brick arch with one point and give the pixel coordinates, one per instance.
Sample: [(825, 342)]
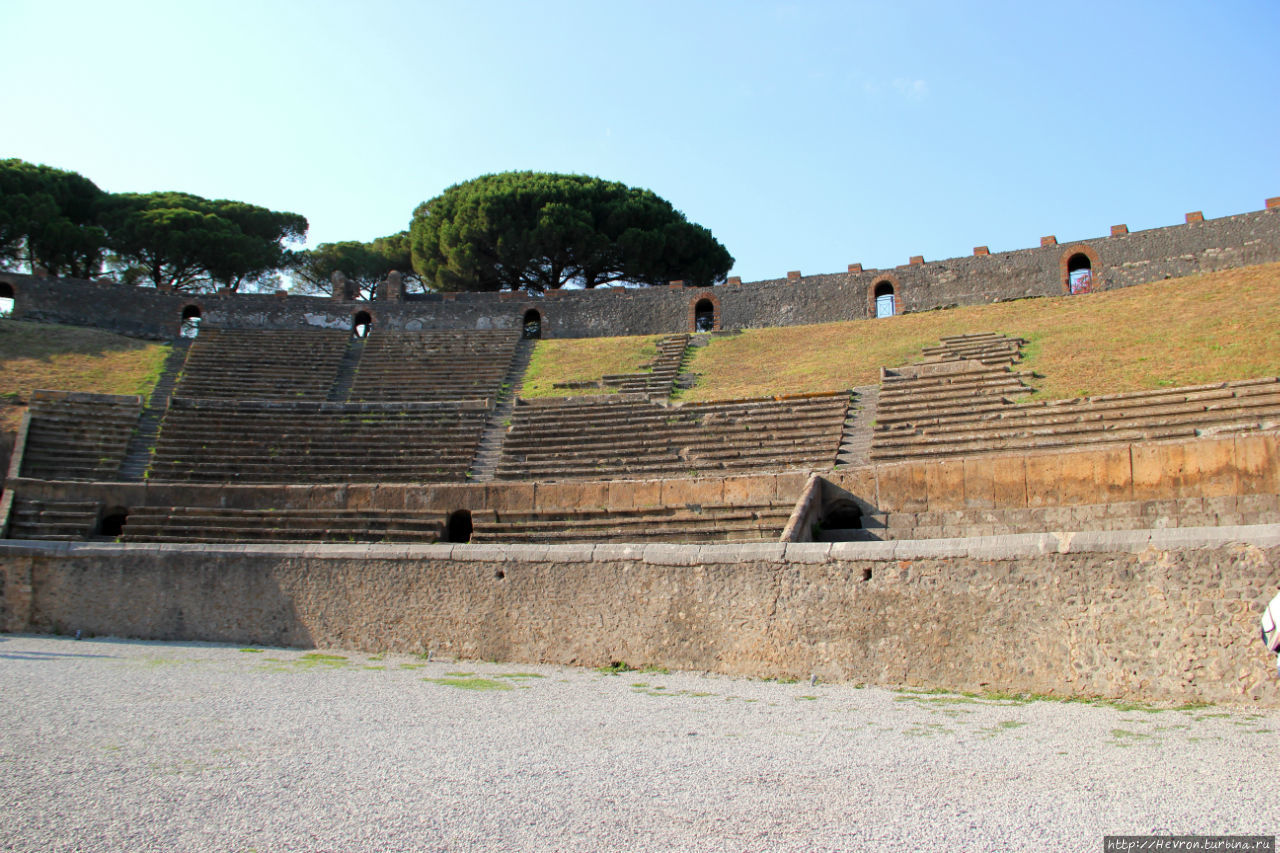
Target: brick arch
[(187, 308), (892, 281), (1094, 266), (542, 318), (706, 296), (369, 324)]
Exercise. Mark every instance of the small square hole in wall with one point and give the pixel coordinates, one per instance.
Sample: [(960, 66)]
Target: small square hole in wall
[(866, 574)]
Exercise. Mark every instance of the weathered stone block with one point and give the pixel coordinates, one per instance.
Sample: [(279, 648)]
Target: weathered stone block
[(902, 487), (945, 484)]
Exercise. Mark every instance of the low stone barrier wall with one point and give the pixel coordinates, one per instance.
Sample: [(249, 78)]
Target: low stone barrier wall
[(1165, 615)]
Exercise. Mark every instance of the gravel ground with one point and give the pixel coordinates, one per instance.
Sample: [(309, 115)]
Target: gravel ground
[(123, 745)]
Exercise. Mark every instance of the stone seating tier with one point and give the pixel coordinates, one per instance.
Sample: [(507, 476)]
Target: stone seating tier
[(77, 436), (433, 365), (626, 438), (218, 525), (62, 520), (263, 365), (718, 523), (1148, 415), (256, 442)]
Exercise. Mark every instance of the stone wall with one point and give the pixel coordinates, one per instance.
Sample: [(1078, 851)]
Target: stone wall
[(1120, 260), (1170, 616)]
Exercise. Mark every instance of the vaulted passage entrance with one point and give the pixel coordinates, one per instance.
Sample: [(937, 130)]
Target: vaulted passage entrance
[(704, 316), (531, 325), (885, 302), (1079, 274)]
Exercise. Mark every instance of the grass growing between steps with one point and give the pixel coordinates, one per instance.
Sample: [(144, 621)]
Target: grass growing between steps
[(585, 360), (70, 358), (1203, 328)]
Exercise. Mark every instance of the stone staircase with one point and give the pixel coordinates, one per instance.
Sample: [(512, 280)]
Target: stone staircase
[(658, 381), (346, 376), (492, 440), (142, 444), (855, 441)]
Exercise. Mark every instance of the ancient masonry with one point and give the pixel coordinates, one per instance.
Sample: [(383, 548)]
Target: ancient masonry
[(290, 481)]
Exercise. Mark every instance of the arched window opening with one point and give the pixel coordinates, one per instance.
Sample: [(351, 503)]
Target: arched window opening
[(111, 526), (1079, 273), (190, 321), (361, 324), (458, 527), (885, 303), (6, 299), (531, 325), (704, 316)]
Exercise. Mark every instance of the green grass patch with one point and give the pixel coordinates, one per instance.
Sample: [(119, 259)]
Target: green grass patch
[(473, 683), (584, 360), (252, 651), (1203, 328), (71, 358), (617, 667), (520, 675)]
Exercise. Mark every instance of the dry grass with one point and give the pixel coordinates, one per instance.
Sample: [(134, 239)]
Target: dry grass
[(69, 358), (1204, 328), (585, 360)]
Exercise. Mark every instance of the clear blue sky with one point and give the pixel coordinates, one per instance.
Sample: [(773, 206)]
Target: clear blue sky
[(805, 135)]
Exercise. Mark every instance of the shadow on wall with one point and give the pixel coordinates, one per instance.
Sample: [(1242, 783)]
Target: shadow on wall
[(225, 600)]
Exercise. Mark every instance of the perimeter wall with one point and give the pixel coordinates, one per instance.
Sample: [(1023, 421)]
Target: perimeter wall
[(1164, 615), (1120, 260)]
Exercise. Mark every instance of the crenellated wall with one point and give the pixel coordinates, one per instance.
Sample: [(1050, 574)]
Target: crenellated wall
[(1120, 260)]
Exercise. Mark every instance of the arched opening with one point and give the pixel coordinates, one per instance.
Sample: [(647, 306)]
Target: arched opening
[(111, 525), (1079, 273), (458, 527), (704, 316), (361, 323), (6, 299), (531, 325), (885, 301), (843, 515), (190, 321)]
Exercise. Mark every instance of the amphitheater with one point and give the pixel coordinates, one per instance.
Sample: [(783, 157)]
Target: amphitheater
[(326, 472)]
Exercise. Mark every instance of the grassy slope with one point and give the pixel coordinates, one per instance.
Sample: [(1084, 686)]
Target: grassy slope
[(584, 359), (1203, 328), (69, 358)]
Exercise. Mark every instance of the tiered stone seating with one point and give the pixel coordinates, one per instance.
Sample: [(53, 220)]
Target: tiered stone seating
[(987, 348), (599, 438), (433, 365), (65, 520), (223, 525), (265, 442), (721, 523), (1122, 515), (263, 365), (1140, 416), (76, 436)]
